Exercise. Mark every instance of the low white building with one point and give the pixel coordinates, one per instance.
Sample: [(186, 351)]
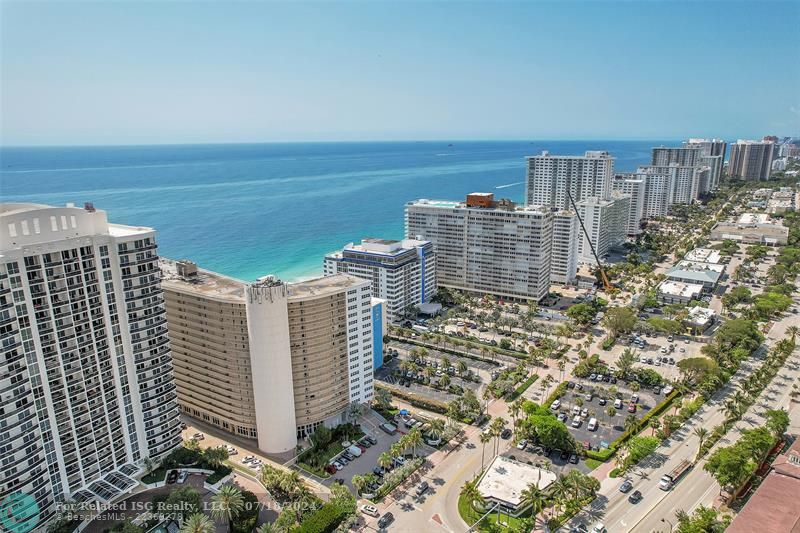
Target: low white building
[(505, 480), (752, 228), (701, 273), (700, 319), (677, 292), (704, 255)]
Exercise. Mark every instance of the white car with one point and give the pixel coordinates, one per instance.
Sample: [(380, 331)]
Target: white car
[(617, 404), (182, 477), (198, 436), (370, 510), (555, 405), (599, 528), (231, 450), (522, 444), (247, 458)]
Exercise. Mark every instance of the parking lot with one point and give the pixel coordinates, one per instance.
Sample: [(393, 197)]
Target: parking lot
[(609, 427), (481, 367), (368, 460), (538, 458)]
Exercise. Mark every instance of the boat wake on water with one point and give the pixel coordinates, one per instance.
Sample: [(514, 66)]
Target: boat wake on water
[(506, 186)]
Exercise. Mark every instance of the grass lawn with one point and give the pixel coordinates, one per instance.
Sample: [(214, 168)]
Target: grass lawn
[(156, 475), (470, 516), (592, 463)]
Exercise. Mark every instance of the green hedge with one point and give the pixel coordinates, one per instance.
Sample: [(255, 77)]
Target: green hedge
[(430, 405), (519, 391), (556, 394), (472, 344), (606, 453), (324, 520)]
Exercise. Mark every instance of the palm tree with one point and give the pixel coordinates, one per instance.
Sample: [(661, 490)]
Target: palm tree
[(267, 528), (385, 460), (470, 492), (462, 368), (701, 433), (215, 456), (436, 428), (514, 410), (149, 465), (534, 497), (359, 482), (485, 437), (655, 425), (396, 449), (731, 410), (630, 422), (414, 439), (498, 425), (560, 490), (197, 523), (227, 503)]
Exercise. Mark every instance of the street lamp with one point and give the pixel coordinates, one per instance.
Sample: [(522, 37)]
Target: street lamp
[(668, 522)]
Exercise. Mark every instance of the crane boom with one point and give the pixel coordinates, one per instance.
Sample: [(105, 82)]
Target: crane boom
[(606, 285)]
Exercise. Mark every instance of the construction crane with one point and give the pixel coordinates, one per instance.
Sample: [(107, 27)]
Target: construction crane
[(606, 284)]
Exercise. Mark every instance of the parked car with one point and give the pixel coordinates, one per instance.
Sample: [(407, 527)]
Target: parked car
[(385, 520), (182, 477), (632, 408), (602, 401), (555, 405), (584, 412), (231, 450), (372, 439), (247, 458), (370, 510), (635, 398), (521, 445), (172, 477), (198, 436), (576, 422), (562, 417), (599, 528), (573, 458), (564, 455), (618, 403), (422, 488), (506, 434)]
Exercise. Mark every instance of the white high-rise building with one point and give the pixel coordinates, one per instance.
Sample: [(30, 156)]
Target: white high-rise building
[(550, 177), (635, 188), (605, 222), (713, 156), (86, 366), (685, 182), (564, 259), (686, 156), (402, 272), (486, 246), (751, 160)]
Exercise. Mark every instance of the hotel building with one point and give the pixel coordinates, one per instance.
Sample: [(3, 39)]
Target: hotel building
[(401, 272), (87, 382), (751, 160), (269, 361), (486, 246), (550, 177)]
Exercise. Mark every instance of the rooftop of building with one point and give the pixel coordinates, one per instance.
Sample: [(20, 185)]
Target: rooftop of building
[(387, 247), (589, 154), (679, 288), (323, 286), (500, 205), (700, 315), (746, 141), (704, 255), (696, 271), (773, 507), (506, 479), (699, 266), (754, 218), (204, 282)]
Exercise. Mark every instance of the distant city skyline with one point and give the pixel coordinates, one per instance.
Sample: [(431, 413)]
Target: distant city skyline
[(91, 73)]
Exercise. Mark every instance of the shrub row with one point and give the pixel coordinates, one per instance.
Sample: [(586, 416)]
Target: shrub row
[(556, 394), (519, 391), (430, 405), (471, 343)]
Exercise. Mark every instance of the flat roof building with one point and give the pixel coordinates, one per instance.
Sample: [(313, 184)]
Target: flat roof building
[(700, 319), (605, 222), (751, 160), (267, 360), (502, 250), (704, 255), (505, 480), (705, 274), (677, 292), (636, 189), (402, 272), (550, 177), (752, 228), (564, 259), (88, 391)]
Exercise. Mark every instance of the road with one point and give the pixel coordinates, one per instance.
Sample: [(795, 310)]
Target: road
[(612, 507)]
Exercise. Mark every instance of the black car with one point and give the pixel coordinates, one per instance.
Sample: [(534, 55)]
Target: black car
[(172, 477), (378, 471), (570, 385), (564, 455), (573, 458), (613, 380), (506, 434), (408, 383), (636, 497), (372, 439), (602, 401), (385, 520)]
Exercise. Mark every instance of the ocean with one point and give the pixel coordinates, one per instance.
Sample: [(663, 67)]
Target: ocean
[(247, 210)]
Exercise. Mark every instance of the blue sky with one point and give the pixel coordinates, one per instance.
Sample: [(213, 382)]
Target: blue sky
[(172, 72)]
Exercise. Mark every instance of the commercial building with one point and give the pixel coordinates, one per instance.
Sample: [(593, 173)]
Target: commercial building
[(605, 222), (704, 255), (401, 272), (564, 259), (676, 292), (636, 189), (700, 319), (773, 507), (752, 228), (505, 480), (705, 274), (88, 389), (269, 361), (782, 200), (486, 246), (550, 177), (751, 160)]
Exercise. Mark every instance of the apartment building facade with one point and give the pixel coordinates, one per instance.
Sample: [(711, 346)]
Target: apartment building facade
[(550, 177), (685, 156), (269, 361), (564, 258), (86, 366), (635, 188), (605, 222), (486, 246), (751, 160), (401, 272)]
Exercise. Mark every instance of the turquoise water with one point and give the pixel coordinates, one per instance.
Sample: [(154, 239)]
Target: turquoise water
[(253, 209)]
